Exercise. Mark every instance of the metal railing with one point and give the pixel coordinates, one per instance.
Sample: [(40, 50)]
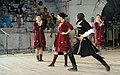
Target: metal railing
[(8, 48), (5, 45)]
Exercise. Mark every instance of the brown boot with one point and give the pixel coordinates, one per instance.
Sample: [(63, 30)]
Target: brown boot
[(53, 62)]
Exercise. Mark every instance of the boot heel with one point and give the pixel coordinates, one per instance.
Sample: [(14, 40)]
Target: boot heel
[(51, 65), (73, 69)]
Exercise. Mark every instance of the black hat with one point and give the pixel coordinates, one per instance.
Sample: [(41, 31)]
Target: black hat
[(80, 16), (63, 15)]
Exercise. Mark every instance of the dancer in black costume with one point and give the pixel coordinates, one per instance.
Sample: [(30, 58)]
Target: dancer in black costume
[(83, 46)]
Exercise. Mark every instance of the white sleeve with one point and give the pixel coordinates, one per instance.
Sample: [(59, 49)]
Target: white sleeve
[(87, 33)]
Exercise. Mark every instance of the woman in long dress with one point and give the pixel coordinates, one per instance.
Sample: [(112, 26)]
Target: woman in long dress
[(39, 38), (99, 33), (62, 42)]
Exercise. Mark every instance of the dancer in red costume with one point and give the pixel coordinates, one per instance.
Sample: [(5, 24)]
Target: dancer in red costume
[(39, 38), (62, 42)]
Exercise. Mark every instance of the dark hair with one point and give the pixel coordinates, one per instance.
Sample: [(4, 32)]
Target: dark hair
[(98, 15), (38, 14), (45, 8), (40, 3), (63, 15), (80, 16)]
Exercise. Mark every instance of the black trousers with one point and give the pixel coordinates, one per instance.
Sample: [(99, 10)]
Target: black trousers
[(96, 56)]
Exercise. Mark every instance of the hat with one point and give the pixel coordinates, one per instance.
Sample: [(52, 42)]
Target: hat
[(63, 15)]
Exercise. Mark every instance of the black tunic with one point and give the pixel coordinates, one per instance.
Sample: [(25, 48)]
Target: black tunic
[(84, 48)]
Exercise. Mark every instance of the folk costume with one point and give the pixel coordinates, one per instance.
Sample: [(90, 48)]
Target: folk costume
[(39, 39), (62, 42), (84, 47), (99, 35)]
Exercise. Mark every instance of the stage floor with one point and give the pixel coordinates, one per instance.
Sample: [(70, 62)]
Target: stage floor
[(26, 64)]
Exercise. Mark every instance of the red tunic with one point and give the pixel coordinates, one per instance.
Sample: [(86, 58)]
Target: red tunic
[(62, 42), (99, 35), (39, 37)]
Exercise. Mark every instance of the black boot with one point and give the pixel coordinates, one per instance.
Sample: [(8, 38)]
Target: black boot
[(53, 62), (41, 57), (73, 69), (37, 57), (65, 58), (100, 59), (72, 59), (106, 65)]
